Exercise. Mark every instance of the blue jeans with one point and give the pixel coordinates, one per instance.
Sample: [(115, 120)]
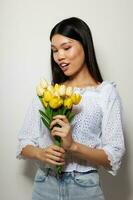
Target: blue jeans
[(70, 186)]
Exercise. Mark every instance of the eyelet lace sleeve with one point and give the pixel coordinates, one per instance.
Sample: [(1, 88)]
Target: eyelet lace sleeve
[(112, 131), (30, 131)]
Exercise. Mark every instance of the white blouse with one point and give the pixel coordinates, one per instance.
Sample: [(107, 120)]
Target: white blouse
[(97, 124)]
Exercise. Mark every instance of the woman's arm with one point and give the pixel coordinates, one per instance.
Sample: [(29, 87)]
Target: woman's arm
[(95, 156), (112, 147), (52, 154), (30, 152), (28, 145)]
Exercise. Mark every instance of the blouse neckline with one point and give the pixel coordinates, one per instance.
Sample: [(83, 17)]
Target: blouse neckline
[(91, 87)]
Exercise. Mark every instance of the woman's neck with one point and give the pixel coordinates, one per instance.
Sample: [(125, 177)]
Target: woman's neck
[(81, 80)]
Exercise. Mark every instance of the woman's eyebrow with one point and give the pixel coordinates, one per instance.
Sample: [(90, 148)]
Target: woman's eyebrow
[(61, 44)]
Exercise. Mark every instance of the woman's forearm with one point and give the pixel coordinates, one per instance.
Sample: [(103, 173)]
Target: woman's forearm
[(30, 152), (52, 154), (95, 156)]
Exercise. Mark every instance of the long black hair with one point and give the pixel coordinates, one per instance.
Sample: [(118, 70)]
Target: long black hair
[(76, 29)]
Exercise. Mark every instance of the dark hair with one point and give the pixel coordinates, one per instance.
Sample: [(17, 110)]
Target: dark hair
[(77, 29)]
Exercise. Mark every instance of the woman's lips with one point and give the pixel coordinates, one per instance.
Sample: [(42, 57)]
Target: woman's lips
[(64, 66)]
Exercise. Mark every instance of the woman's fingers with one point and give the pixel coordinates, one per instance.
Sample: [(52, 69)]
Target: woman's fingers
[(55, 155), (55, 158), (56, 148), (62, 117), (57, 121), (58, 154), (54, 162), (58, 129), (56, 133), (62, 132)]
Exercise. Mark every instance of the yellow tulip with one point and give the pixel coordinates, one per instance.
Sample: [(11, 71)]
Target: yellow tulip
[(55, 102), (62, 90), (39, 91), (69, 91), (44, 103), (50, 88), (60, 102), (56, 90), (55, 93), (43, 83), (56, 87), (68, 103), (47, 96), (75, 98)]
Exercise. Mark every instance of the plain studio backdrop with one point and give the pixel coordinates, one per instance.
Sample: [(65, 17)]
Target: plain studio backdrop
[(24, 58)]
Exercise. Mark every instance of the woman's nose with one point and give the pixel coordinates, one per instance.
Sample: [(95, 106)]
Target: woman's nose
[(61, 55)]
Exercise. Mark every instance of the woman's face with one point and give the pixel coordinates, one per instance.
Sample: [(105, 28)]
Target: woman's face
[(68, 54)]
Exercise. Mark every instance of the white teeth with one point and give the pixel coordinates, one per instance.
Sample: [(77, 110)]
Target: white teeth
[(63, 65)]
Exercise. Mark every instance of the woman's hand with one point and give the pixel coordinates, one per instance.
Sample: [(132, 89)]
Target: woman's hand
[(52, 155), (64, 131)]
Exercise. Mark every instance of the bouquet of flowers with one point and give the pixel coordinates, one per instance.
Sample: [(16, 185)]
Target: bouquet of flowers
[(56, 100)]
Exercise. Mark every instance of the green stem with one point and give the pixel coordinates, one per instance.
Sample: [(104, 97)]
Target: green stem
[(58, 143)]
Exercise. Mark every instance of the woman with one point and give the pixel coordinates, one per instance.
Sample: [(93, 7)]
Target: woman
[(93, 139)]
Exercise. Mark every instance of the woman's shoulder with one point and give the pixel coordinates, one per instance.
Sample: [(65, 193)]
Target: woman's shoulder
[(109, 89), (107, 85)]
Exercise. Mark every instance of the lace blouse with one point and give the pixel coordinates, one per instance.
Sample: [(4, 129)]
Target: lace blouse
[(97, 124)]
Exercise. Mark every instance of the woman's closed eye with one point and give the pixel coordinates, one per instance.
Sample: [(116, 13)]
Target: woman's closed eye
[(56, 50), (67, 48)]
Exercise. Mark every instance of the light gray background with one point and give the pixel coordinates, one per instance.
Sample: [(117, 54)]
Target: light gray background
[(24, 58)]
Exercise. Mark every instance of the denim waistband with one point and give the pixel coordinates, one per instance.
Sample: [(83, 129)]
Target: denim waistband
[(52, 172)]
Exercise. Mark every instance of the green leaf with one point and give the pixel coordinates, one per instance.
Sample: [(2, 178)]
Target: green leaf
[(58, 170), (49, 112), (57, 142), (68, 113), (71, 116), (54, 112), (64, 111), (60, 111), (45, 123), (44, 115)]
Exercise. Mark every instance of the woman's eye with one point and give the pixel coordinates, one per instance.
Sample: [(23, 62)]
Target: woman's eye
[(66, 48), (54, 51)]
